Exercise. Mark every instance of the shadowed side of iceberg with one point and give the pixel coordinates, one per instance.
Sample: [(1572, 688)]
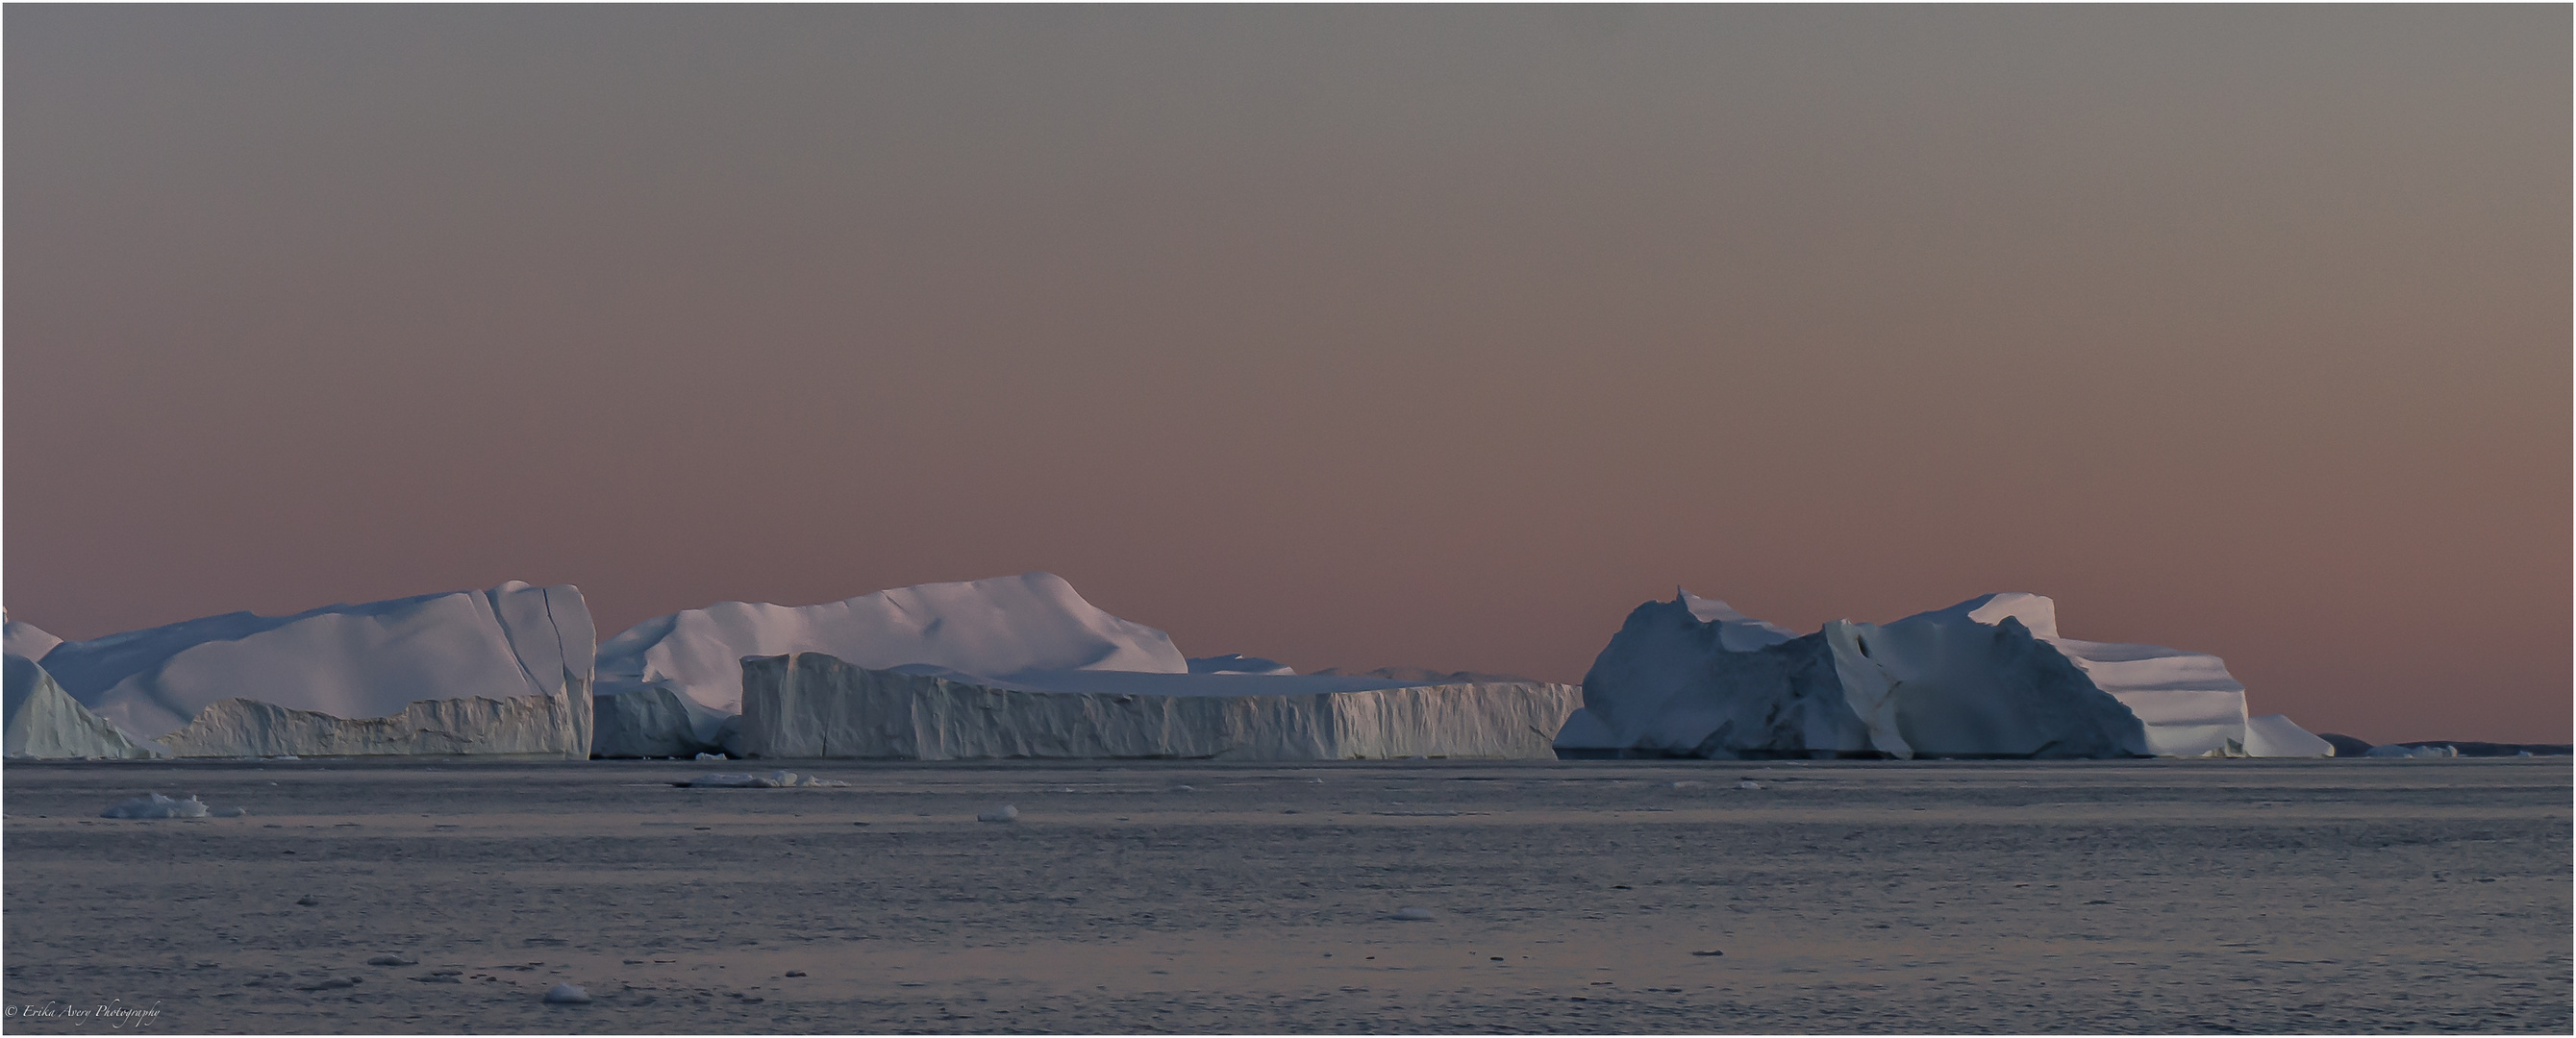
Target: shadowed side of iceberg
[(46, 723), (1693, 677), (814, 705)]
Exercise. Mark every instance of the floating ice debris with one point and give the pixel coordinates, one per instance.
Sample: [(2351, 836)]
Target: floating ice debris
[(1748, 784), (286, 756), (308, 901), (392, 960), (567, 994), (1680, 785), (2421, 752), (1004, 813), (713, 756), (773, 780), (154, 805), (1184, 789), (1413, 914)]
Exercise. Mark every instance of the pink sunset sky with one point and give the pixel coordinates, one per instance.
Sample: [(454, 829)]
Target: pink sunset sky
[(1344, 336)]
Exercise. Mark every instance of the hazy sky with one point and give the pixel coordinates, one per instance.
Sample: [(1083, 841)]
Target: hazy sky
[(1348, 336)]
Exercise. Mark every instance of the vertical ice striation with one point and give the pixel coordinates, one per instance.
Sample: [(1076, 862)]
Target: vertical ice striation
[(686, 668)]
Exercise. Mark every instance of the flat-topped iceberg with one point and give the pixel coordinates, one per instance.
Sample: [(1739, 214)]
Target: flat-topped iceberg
[(668, 687), (504, 671), (1989, 677), (814, 705)]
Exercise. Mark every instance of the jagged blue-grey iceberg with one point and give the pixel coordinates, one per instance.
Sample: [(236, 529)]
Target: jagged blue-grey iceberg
[(504, 671), (1989, 677)]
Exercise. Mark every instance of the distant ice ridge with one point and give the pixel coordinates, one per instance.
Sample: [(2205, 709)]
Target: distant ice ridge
[(501, 671), (1989, 677), (668, 687), (1237, 663), (814, 705)]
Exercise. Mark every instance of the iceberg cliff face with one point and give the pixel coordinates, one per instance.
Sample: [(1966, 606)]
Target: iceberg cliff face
[(1987, 677), (996, 627), (46, 723), (813, 705), (501, 671)]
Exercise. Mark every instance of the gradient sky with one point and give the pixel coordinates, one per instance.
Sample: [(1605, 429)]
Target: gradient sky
[(1347, 336)]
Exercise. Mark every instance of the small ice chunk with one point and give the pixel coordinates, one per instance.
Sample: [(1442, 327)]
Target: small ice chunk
[(1004, 813), (713, 756), (154, 805), (1748, 784), (230, 812), (1185, 789), (1413, 914), (392, 960), (571, 994)]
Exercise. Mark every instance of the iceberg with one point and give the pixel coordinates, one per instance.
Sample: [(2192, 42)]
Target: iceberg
[(1988, 677), (46, 723), (668, 685), (2273, 735), (813, 704), (504, 671)]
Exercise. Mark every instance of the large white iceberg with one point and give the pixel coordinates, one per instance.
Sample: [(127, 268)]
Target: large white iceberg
[(504, 671), (813, 705), (668, 687), (43, 721), (1989, 677)]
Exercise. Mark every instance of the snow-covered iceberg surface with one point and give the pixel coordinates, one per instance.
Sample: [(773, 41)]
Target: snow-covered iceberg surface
[(667, 685), (504, 671), (1989, 677), (814, 705)]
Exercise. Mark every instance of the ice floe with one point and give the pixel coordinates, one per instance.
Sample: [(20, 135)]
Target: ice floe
[(773, 780), (154, 805)]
